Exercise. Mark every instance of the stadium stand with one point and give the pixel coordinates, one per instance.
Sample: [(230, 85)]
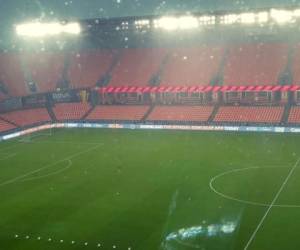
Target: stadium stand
[(27, 117), (5, 126), (70, 111), (181, 113), (45, 69), (249, 114), (255, 64), (115, 112), (296, 65), (137, 66), (11, 74), (88, 67), (192, 66), (294, 116)]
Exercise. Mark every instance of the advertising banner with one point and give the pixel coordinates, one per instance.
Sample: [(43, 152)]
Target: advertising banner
[(66, 96), (34, 100), (11, 104), (153, 127)]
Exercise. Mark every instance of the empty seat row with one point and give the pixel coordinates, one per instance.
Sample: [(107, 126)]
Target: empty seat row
[(116, 112), (249, 114), (255, 63), (239, 64), (11, 74), (137, 66), (88, 67), (192, 66), (76, 111), (294, 116), (181, 113), (70, 111), (27, 117), (45, 69), (5, 126)]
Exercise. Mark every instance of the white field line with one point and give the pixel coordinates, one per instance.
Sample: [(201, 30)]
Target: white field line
[(7, 156), (253, 203), (9, 147), (66, 142), (47, 166), (46, 141), (271, 205), (51, 174)]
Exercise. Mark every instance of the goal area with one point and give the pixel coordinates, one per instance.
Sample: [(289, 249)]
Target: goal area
[(36, 135)]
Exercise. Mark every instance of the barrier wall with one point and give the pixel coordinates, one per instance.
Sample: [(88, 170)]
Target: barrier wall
[(154, 127)]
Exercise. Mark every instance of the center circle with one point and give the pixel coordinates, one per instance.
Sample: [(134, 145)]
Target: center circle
[(244, 201)]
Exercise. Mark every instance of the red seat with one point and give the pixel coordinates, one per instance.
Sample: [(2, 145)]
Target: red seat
[(5, 126), (192, 66), (87, 68), (45, 69), (27, 117), (181, 113), (137, 66), (70, 111), (115, 112), (296, 65), (255, 64), (249, 114), (11, 74), (294, 116)]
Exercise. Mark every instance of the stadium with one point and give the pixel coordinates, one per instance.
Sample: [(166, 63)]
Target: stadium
[(167, 130)]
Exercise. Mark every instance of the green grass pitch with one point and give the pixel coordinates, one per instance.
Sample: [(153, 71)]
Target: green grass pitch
[(148, 190)]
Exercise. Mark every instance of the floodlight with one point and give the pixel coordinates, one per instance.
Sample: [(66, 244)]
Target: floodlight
[(168, 23), (230, 19), (145, 22), (281, 16), (37, 29), (247, 18), (142, 23), (205, 20), (188, 22), (262, 17), (72, 28), (296, 13)]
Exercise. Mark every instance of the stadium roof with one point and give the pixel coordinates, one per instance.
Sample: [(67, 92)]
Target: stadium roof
[(78, 9), (16, 11)]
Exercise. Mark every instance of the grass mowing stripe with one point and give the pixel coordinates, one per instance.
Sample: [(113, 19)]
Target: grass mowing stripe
[(271, 205), (48, 166)]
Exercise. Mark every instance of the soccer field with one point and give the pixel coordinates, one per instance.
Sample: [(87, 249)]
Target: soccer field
[(148, 190)]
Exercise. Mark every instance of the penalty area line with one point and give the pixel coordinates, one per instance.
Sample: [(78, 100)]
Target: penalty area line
[(48, 166), (271, 205)]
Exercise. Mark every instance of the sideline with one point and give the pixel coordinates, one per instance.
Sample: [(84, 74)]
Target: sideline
[(271, 205)]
